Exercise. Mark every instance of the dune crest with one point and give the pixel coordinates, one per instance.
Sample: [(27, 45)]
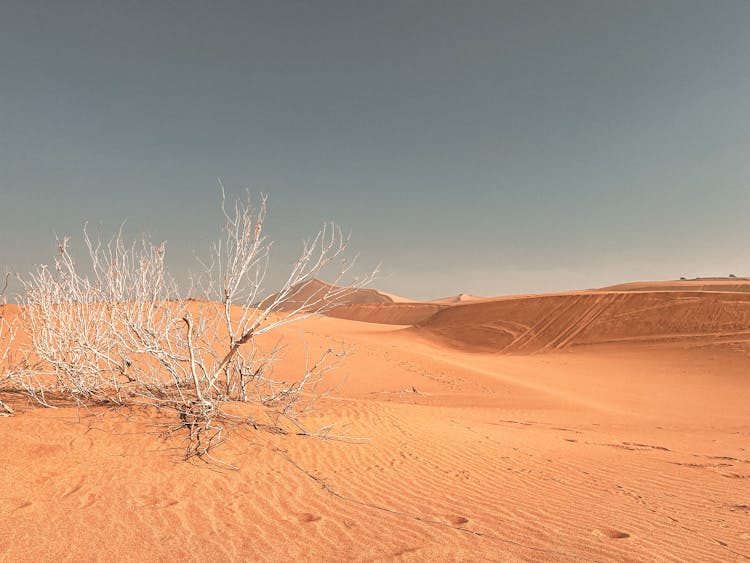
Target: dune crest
[(699, 284), (460, 298)]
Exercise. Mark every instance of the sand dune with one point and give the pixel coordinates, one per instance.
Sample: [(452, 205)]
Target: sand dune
[(365, 304), (552, 322), (400, 311), (633, 449), (317, 289)]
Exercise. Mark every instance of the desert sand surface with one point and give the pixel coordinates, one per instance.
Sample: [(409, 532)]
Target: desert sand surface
[(583, 426)]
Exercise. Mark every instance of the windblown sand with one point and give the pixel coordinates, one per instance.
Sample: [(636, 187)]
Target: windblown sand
[(594, 426)]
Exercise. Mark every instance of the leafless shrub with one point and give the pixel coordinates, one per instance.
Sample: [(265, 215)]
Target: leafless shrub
[(124, 333)]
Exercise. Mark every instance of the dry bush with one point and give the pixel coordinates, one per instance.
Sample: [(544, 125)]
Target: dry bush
[(125, 334)]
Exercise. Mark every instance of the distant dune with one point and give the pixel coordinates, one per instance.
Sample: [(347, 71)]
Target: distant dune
[(367, 305), (399, 312), (317, 289), (649, 311), (551, 322)]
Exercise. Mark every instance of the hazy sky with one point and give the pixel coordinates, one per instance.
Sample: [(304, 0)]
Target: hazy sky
[(481, 147)]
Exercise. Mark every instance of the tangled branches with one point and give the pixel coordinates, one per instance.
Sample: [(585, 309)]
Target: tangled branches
[(121, 331)]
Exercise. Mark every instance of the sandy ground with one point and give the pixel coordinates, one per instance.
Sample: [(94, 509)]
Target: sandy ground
[(594, 426)]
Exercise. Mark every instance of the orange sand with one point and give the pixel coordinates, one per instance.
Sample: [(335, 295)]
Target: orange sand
[(594, 426)]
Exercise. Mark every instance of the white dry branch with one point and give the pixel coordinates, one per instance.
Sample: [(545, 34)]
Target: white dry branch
[(8, 330), (124, 333)]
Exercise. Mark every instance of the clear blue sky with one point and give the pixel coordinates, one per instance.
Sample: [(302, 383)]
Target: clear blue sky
[(482, 147)]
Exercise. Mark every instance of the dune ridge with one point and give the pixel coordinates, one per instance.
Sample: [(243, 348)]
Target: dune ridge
[(698, 284), (460, 298)]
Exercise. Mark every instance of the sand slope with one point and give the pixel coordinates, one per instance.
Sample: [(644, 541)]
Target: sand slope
[(387, 313), (551, 322), (635, 449)]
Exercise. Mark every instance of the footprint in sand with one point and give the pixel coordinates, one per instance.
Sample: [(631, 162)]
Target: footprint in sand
[(74, 489), (457, 520), (23, 504), (306, 517), (81, 443), (610, 533), (164, 503), (155, 500), (88, 500)]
